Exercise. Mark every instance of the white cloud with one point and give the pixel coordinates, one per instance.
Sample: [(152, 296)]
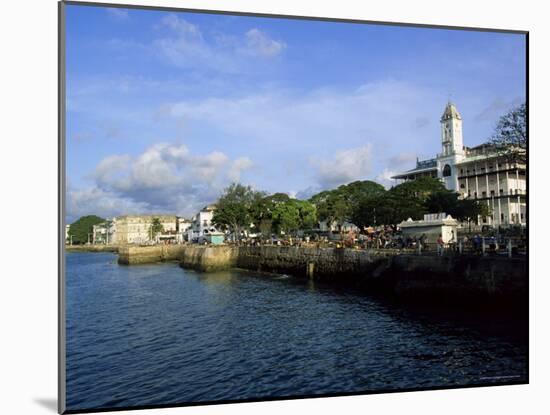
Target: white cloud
[(258, 43), (96, 201), (182, 27), (117, 13), (346, 166), (238, 166), (298, 127), (186, 46), (164, 178), (385, 177)]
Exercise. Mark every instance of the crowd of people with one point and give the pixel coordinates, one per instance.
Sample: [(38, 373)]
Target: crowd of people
[(388, 238)]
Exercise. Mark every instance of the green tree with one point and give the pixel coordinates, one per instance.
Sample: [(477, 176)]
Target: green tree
[(286, 217), (469, 210), (510, 136), (419, 189), (81, 230), (388, 208), (448, 202), (279, 213), (156, 227), (308, 214), (234, 209), (406, 200), (340, 205)]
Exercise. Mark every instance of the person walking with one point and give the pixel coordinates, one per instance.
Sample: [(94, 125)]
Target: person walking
[(440, 246)]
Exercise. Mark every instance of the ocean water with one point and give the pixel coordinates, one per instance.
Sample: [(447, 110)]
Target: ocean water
[(158, 334)]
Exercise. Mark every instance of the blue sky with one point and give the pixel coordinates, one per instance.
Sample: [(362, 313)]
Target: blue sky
[(166, 109)]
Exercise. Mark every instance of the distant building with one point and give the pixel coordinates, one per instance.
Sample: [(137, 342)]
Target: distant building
[(136, 229), (67, 237), (337, 227), (431, 227), (476, 173), (104, 232), (183, 228), (201, 223)]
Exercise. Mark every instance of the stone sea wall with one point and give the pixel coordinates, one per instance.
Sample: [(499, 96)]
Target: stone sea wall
[(134, 255), (91, 248), (447, 278)]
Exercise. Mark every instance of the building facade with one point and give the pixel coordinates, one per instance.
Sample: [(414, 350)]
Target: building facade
[(478, 173), (137, 229), (104, 233), (201, 224)]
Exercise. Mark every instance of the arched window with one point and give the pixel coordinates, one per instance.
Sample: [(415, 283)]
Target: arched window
[(446, 170)]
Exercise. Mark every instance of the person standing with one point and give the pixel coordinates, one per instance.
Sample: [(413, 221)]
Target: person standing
[(440, 246)]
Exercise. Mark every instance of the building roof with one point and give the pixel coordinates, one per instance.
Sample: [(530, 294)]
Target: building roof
[(450, 112), (428, 221), (421, 167), (413, 171)]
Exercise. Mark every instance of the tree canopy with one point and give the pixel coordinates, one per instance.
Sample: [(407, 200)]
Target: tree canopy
[(234, 208), (156, 227), (80, 229), (413, 199), (510, 136), (338, 205), (278, 213)]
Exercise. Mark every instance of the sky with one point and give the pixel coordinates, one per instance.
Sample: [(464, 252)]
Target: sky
[(166, 109)]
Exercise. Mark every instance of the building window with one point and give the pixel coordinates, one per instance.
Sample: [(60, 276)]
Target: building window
[(483, 194), (502, 217), (522, 216), (461, 171), (462, 185), (501, 191), (446, 170), (492, 192)]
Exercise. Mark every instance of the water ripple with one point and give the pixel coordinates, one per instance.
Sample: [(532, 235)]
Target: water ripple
[(157, 334)]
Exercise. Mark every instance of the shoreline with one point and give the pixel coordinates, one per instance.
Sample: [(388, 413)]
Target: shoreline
[(92, 248), (463, 280)]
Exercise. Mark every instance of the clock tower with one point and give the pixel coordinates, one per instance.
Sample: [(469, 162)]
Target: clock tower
[(451, 132), (452, 147)]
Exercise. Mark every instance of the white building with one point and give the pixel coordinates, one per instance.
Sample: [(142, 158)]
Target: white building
[(337, 227), (431, 227), (201, 223), (183, 228), (477, 172)]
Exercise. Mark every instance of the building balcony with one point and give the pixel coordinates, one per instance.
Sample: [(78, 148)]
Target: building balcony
[(493, 171), (519, 192)]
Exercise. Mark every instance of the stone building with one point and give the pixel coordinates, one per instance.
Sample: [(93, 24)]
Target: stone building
[(104, 233), (136, 229), (476, 173)]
